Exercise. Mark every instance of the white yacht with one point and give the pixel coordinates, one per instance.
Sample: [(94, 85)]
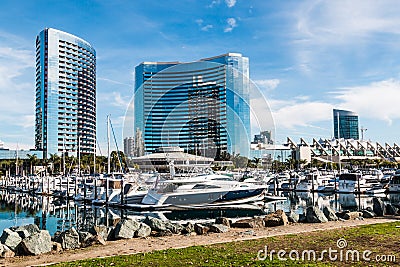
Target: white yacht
[(203, 190), (351, 183), (394, 184)]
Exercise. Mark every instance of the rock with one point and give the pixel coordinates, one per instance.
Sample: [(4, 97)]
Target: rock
[(188, 228), (368, 214), (352, 215), (111, 233), (249, 223), (223, 220), (126, 228), (83, 236), (69, 239), (315, 215), (155, 224), (276, 219), (391, 210), (293, 217), (11, 239), (55, 246), (219, 228), (248, 232), (7, 252), (93, 240), (164, 233), (378, 206), (175, 228), (100, 230), (1, 249), (201, 229), (30, 228), (302, 218), (330, 214), (37, 244), (23, 233), (143, 231)]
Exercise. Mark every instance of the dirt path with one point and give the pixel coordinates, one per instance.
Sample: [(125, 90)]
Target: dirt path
[(139, 245)]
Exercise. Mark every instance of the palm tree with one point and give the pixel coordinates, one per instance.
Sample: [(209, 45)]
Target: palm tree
[(32, 160)]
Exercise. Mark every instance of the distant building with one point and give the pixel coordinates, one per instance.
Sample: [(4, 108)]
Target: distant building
[(345, 124), (139, 144), (129, 147), (202, 107), (264, 137), (65, 93)]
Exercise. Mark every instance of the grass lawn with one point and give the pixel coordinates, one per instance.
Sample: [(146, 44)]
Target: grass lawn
[(382, 240)]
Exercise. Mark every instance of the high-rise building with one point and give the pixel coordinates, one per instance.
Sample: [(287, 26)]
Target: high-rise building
[(345, 124), (65, 93), (202, 107), (129, 146)]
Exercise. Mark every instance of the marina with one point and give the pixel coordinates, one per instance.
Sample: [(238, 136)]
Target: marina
[(59, 203)]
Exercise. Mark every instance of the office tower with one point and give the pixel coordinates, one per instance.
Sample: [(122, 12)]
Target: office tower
[(345, 124), (202, 107), (65, 94), (129, 147)]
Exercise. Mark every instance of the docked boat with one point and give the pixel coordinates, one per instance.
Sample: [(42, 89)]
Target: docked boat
[(203, 190), (351, 183), (394, 184)]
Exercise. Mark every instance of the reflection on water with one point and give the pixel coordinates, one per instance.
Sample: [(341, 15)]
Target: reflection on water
[(58, 215)]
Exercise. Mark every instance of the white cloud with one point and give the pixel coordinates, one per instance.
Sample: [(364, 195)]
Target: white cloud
[(206, 27), (378, 100), (230, 3), (231, 24), (289, 114), (269, 85)]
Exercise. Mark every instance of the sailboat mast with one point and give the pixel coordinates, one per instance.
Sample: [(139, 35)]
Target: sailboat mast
[(108, 145)]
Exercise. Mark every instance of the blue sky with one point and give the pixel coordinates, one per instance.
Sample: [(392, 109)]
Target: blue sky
[(307, 57)]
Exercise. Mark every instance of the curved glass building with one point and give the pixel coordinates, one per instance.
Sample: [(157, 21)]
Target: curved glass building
[(65, 93), (202, 107), (345, 124)]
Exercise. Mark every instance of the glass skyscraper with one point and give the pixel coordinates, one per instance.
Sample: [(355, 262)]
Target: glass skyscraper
[(202, 107), (65, 93), (345, 124)]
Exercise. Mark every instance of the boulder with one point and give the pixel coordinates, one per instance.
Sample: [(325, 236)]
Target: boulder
[(7, 252), (248, 232), (223, 220), (93, 240), (302, 218), (100, 230), (247, 223), (68, 239), (37, 244), (11, 239), (56, 246), (30, 228), (143, 231), (164, 233), (353, 215), (188, 228), (201, 229), (391, 210), (155, 224), (368, 214), (126, 229), (315, 215), (219, 228), (378, 206), (293, 217), (330, 214), (276, 219), (175, 228)]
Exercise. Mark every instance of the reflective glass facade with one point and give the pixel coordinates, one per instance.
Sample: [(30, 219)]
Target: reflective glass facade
[(345, 124), (65, 93), (202, 107)]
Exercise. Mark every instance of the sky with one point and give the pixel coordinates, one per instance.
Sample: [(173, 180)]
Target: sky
[(306, 57)]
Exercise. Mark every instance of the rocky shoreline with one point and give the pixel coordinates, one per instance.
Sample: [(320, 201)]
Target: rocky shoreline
[(29, 240)]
